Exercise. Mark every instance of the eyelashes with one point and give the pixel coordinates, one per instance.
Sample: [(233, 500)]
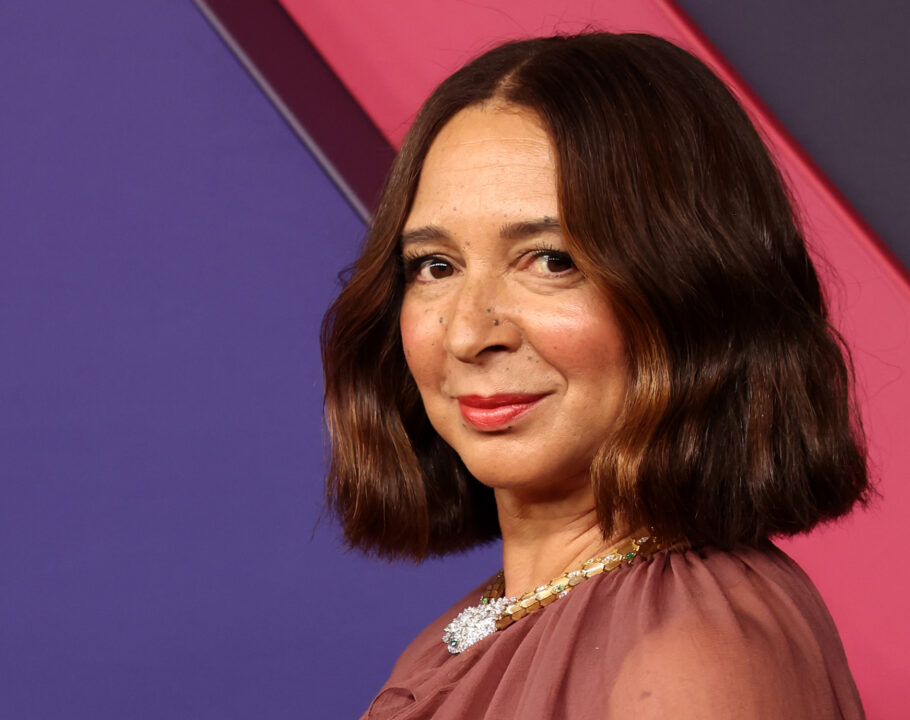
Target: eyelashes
[(544, 260), (557, 262), (436, 266)]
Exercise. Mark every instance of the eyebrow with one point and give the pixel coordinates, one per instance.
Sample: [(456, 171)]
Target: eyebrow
[(508, 231), (529, 228)]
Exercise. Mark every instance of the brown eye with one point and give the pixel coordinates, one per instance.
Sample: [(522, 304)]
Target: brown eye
[(558, 263), (427, 268), (552, 262), (436, 268)]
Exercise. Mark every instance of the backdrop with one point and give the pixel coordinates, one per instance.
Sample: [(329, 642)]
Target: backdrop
[(167, 248)]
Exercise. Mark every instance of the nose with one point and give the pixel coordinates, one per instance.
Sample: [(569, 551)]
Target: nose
[(479, 322)]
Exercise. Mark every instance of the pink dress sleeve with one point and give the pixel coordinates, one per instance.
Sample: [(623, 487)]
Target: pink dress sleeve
[(683, 634)]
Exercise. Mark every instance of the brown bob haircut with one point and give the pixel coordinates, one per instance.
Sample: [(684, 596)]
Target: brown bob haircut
[(738, 422)]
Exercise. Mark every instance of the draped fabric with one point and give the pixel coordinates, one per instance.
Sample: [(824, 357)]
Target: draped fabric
[(685, 633)]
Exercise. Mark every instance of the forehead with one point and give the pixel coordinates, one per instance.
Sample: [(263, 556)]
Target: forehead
[(496, 129), (490, 158)]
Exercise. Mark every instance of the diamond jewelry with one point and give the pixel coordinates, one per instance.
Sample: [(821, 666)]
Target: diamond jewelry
[(496, 612)]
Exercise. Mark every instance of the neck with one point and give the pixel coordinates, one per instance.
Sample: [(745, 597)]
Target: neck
[(543, 538)]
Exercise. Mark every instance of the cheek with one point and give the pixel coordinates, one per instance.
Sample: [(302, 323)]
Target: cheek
[(581, 336), (586, 347), (421, 339)]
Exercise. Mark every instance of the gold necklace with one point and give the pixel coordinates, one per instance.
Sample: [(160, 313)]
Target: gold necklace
[(496, 612)]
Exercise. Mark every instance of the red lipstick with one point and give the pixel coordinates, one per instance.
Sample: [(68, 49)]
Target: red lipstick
[(495, 411)]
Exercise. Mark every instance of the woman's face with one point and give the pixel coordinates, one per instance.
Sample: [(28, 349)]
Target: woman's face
[(517, 356)]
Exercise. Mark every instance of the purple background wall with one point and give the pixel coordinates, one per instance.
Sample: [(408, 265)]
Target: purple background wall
[(167, 249)]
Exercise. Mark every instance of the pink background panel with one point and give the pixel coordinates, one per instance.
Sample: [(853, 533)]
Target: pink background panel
[(391, 54)]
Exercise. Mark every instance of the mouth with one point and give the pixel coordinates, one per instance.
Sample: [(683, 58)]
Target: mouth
[(495, 412)]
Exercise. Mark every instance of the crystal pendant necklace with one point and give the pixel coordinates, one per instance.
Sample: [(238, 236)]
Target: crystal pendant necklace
[(496, 612)]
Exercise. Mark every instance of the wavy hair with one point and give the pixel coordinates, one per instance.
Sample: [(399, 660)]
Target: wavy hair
[(738, 422)]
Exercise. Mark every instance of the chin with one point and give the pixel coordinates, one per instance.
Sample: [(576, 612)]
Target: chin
[(523, 471)]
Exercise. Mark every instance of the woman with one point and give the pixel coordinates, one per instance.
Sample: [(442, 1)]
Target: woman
[(584, 321)]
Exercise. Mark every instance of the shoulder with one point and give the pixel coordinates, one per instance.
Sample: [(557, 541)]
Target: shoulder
[(721, 634)]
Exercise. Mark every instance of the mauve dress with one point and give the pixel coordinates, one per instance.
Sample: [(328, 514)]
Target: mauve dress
[(681, 634)]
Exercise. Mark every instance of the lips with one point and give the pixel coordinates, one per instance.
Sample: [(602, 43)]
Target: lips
[(495, 412)]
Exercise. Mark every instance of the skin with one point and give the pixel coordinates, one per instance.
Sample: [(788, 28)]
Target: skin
[(491, 308)]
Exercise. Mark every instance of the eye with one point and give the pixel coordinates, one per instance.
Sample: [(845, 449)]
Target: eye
[(551, 262), (427, 268)]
